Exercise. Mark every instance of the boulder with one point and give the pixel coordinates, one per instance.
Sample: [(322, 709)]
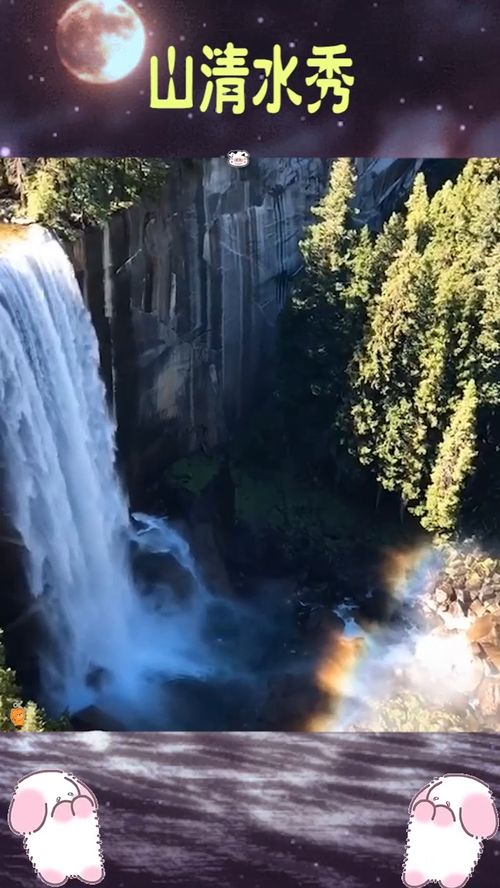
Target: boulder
[(441, 596), (481, 628), (477, 608), (474, 582), (492, 655), (94, 719), (489, 697), (457, 610)]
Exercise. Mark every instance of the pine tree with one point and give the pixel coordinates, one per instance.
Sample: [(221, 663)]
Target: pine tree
[(394, 339), (324, 318), (386, 248), (418, 221), (327, 242), (453, 466), (389, 432), (362, 270), (433, 327)]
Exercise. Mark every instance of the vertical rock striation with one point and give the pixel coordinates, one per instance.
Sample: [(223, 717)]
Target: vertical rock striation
[(185, 295)]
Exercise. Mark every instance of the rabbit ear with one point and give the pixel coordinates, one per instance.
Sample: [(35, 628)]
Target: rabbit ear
[(419, 797), (478, 816), (27, 811), (86, 791)]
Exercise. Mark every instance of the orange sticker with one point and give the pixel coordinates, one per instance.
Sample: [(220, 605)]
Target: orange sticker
[(17, 716)]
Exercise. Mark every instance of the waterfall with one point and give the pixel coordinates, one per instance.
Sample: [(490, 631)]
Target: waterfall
[(61, 494)]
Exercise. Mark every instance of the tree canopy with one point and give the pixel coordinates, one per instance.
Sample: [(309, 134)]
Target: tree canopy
[(391, 342), (69, 193)]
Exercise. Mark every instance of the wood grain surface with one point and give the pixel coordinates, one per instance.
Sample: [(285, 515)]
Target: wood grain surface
[(266, 810)]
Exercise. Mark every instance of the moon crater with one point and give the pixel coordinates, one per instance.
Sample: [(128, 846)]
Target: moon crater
[(100, 41)]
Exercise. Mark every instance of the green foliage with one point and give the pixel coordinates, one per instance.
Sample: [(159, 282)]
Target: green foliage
[(194, 472), (327, 244), (66, 194), (301, 513), (323, 319), (391, 344), (454, 462), (10, 696), (389, 432), (296, 509), (34, 719), (409, 712), (9, 692), (62, 723)]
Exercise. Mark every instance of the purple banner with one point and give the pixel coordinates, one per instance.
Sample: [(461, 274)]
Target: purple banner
[(375, 77)]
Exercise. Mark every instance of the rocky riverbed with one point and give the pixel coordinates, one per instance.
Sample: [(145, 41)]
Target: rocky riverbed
[(463, 600)]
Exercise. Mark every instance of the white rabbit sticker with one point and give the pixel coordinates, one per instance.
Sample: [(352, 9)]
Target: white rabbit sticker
[(449, 820), (57, 816)]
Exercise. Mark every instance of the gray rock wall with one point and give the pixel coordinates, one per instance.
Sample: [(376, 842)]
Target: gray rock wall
[(185, 295)]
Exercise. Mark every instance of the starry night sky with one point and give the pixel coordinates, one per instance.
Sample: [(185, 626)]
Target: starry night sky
[(427, 76)]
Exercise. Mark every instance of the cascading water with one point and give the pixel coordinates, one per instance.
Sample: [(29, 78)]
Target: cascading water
[(105, 643)]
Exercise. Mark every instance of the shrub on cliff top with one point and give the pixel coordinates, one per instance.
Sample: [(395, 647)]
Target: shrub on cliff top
[(68, 193)]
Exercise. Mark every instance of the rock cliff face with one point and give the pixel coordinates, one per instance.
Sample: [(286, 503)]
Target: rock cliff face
[(384, 183), (185, 295)]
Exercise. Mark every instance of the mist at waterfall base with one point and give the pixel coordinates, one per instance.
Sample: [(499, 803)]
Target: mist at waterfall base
[(405, 654), (107, 642)]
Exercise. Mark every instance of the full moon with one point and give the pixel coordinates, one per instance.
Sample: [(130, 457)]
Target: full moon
[(100, 41)]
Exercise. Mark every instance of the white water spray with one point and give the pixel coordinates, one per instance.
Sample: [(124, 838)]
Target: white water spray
[(63, 498), (436, 664)]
